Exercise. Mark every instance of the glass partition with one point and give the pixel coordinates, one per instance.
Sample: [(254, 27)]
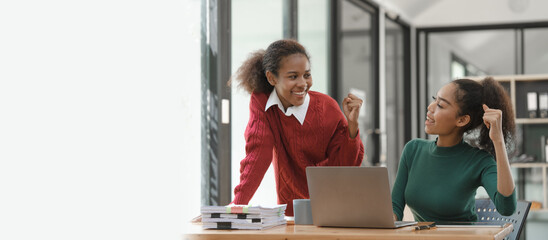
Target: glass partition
[(251, 30), (395, 76), (313, 34), (536, 51), (469, 53), (358, 70)]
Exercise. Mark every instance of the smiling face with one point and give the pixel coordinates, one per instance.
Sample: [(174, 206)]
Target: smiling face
[(443, 117), (293, 80)]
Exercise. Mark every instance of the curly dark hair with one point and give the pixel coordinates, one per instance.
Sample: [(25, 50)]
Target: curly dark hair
[(252, 74), (471, 95)]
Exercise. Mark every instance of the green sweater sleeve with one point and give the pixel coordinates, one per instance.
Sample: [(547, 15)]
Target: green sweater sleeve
[(398, 191), (506, 205)]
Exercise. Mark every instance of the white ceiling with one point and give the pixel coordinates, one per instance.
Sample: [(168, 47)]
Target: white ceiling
[(491, 51), (431, 13)]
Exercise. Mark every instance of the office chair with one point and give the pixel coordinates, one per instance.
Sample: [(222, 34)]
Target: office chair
[(488, 213)]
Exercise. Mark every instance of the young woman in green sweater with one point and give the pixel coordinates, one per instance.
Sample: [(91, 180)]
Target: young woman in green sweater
[(438, 179)]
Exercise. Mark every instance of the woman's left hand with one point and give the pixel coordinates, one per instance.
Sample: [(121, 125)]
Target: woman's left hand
[(492, 118), (351, 107)]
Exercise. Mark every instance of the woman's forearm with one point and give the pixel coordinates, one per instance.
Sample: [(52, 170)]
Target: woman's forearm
[(505, 181), (352, 129)]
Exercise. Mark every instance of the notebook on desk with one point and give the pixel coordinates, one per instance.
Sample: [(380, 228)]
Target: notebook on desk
[(351, 197)]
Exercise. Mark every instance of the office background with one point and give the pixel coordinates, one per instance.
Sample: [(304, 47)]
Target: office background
[(395, 54), (100, 102)]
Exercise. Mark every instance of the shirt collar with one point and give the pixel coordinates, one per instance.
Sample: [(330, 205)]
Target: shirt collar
[(298, 111)]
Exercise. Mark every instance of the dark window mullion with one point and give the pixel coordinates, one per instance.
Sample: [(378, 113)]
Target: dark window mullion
[(216, 145), (290, 19), (334, 30)]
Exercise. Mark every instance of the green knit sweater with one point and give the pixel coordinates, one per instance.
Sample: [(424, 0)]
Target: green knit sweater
[(440, 183)]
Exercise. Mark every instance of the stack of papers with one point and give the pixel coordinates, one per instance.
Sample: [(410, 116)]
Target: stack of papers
[(242, 216)]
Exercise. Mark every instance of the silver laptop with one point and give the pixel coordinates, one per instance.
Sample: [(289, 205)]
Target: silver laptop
[(351, 197)]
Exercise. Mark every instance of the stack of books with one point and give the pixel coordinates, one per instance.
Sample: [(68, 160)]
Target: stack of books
[(242, 216)]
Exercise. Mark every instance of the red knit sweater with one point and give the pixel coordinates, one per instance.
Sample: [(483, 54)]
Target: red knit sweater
[(273, 137)]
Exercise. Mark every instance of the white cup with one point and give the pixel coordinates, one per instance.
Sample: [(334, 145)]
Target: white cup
[(302, 211)]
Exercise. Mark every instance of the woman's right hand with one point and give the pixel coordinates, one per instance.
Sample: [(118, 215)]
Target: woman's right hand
[(492, 118)]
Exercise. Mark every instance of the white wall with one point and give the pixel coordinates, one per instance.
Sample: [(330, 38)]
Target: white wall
[(95, 107), (189, 80)]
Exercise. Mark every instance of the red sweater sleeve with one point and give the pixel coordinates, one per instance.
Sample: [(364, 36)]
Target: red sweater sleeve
[(343, 150), (259, 147)]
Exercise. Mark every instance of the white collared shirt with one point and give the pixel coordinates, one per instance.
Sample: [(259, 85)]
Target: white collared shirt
[(298, 111)]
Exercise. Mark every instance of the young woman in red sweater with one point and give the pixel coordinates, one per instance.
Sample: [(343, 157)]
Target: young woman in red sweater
[(291, 126)]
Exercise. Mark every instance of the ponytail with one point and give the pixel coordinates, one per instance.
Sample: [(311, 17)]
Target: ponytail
[(494, 96), (251, 74), (471, 96)]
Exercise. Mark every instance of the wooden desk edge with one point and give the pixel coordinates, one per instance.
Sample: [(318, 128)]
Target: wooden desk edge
[(507, 229), (248, 234)]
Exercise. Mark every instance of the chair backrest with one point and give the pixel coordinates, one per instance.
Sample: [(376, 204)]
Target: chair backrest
[(488, 213)]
